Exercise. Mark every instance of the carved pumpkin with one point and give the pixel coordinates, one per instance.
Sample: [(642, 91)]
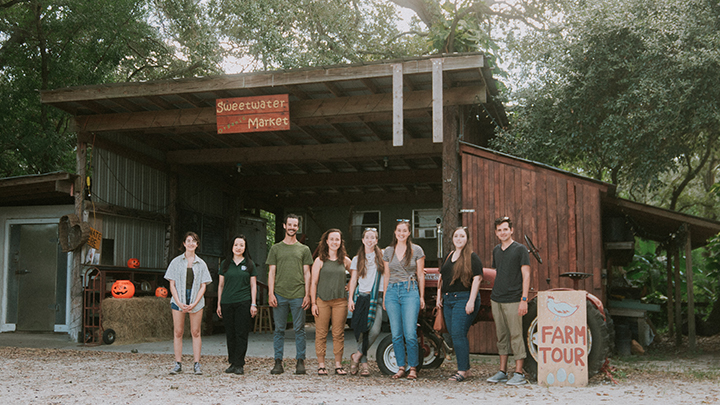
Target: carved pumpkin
[(123, 289), (133, 263), (161, 292)]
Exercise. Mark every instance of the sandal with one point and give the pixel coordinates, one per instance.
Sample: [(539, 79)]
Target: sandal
[(364, 370), (340, 371), (354, 364), (322, 371), (457, 377), (412, 374), (399, 374)]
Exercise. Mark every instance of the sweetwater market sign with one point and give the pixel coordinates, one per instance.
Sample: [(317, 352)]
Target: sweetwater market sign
[(253, 114)]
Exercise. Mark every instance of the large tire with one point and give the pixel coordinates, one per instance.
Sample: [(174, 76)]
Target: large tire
[(598, 340), (430, 353), (385, 356)]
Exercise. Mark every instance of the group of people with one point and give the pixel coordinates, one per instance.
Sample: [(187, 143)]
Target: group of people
[(390, 280)]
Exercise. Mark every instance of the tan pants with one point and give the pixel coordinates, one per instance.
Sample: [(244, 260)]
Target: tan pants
[(508, 325), (336, 310)]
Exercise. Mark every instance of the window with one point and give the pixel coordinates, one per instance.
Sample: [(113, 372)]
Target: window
[(425, 223), (362, 220)]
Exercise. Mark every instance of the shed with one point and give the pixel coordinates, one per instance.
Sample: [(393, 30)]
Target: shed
[(367, 144)]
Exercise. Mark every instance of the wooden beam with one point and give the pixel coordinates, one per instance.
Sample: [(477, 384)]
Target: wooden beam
[(205, 117), (690, 293), (303, 153), (437, 100), (346, 199), (397, 96), (678, 299), (41, 178), (451, 170), (313, 180), (253, 80)]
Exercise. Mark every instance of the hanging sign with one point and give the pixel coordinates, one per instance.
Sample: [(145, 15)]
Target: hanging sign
[(562, 339), (253, 114)]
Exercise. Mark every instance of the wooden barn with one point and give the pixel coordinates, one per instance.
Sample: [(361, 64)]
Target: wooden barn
[(357, 146)]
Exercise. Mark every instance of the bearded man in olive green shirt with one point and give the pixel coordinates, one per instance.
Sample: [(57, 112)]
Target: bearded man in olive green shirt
[(289, 291)]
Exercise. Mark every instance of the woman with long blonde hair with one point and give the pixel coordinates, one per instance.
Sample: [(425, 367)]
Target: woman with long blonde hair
[(460, 277), (366, 290)]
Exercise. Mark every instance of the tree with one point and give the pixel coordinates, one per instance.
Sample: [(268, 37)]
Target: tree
[(47, 44), (625, 92)]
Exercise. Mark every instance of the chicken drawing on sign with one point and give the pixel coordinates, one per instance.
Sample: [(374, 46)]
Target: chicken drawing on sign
[(560, 309)]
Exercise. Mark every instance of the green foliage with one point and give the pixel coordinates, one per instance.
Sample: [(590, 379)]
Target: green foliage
[(301, 33), (269, 228), (53, 44), (625, 90)]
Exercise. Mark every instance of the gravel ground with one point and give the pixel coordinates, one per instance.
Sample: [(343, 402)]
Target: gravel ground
[(56, 376)]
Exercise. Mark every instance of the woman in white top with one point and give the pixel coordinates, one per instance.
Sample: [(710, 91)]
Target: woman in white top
[(366, 290), (188, 276)]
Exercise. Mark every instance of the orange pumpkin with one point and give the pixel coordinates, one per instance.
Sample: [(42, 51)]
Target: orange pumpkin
[(133, 263), (123, 289), (161, 292)]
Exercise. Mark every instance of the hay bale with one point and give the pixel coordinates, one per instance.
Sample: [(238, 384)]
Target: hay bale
[(140, 319)]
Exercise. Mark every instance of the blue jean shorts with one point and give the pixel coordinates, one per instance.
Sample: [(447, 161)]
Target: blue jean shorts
[(187, 299)]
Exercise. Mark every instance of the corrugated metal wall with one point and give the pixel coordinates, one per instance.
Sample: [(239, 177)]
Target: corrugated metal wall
[(123, 182), (144, 240), (127, 183), (559, 212)]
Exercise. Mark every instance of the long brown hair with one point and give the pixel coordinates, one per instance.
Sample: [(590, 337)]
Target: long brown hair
[(409, 250), (462, 269), (323, 250), (361, 265)]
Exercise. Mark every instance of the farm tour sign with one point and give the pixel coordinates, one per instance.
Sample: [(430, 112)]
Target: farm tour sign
[(253, 114), (562, 339)]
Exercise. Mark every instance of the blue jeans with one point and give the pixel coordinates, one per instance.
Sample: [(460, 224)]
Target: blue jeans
[(458, 323), (187, 300), (402, 302), (280, 314)]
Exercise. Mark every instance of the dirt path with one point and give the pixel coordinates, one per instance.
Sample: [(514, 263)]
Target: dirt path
[(51, 376)]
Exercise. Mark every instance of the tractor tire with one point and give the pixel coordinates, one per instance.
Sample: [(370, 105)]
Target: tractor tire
[(598, 338), (430, 353)]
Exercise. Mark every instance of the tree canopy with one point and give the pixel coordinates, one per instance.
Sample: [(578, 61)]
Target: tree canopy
[(47, 44), (624, 91)]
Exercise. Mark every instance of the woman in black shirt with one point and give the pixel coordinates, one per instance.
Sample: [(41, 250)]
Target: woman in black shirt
[(460, 278)]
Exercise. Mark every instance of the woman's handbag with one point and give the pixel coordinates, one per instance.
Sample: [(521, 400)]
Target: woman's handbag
[(439, 320)]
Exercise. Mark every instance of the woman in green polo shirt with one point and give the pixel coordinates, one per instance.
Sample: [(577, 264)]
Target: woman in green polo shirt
[(237, 294)]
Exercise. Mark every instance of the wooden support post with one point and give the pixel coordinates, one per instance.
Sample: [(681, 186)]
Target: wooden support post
[(76, 274), (690, 294), (437, 99), (398, 132), (678, 300), (670, 306), (450, 176)]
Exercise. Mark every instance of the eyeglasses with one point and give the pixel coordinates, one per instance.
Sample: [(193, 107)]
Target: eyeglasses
[(403, 220), (371, 229)]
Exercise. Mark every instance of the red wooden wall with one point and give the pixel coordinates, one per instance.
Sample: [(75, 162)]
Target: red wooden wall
[(559, 211)]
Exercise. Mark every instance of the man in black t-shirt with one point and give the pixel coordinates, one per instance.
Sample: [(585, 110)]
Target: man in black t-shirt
[(509, 300)]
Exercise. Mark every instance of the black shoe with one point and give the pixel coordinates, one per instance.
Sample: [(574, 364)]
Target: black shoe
[(230, 369), (300, 366), (278, 369), (239, 370)]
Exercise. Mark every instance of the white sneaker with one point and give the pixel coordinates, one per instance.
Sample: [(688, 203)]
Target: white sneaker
[(517, 379), (501, 376)]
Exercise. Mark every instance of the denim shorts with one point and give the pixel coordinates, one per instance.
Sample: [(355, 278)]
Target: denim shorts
[(187, 299)]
